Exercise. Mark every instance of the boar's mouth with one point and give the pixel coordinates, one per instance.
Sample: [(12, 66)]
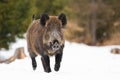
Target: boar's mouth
[(53, 47)]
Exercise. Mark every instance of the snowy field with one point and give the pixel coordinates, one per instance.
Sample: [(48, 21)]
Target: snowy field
[(80, 62)]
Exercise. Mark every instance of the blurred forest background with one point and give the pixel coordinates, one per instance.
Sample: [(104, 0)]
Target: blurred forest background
[(94, 22)]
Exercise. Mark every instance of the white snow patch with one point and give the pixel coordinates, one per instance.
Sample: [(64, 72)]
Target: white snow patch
[(80, 62)]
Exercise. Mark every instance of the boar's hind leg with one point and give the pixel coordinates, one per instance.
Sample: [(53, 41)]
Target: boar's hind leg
[(46, 63), (34, 64), (58, 58)]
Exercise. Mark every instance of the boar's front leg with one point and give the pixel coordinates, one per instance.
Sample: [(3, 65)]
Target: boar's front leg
[(32, 56), (58, 58), (46, 63), (34, 64)]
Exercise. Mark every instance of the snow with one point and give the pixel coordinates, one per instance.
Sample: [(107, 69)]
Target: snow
[(80, 62)]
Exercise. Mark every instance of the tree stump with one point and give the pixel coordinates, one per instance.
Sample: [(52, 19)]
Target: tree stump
[(115, 51), (19, 53)]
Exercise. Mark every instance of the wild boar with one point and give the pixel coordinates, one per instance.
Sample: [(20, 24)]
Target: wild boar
[(45, 37)]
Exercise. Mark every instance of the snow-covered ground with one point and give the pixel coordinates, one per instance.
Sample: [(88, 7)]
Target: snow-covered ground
[(80, 62)]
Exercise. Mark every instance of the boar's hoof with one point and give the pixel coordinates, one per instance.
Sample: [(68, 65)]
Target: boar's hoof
[(34, 65), (57, 66), (48, 70), (34, 68)]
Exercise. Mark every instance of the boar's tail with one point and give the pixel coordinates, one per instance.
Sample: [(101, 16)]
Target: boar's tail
[(33, 17)]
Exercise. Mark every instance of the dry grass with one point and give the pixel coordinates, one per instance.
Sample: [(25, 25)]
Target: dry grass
[(114, 40), (73, 32)]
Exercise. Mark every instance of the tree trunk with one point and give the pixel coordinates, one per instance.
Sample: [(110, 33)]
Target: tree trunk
[(93, 28), (93, 21)]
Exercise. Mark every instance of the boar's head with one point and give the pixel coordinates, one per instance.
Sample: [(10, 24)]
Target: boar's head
[(53, 38)]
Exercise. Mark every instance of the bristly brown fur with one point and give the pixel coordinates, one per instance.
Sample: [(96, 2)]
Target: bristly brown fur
[(32, 36), (45, 37), (36, 33)]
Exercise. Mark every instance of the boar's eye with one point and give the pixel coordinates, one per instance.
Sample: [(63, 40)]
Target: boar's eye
[(47, 37)]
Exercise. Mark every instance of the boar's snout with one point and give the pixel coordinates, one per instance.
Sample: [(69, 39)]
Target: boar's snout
[(55, 45)]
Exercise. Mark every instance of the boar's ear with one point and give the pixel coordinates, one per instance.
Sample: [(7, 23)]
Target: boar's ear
[(43, 19), (63, 19), (33, 17)]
